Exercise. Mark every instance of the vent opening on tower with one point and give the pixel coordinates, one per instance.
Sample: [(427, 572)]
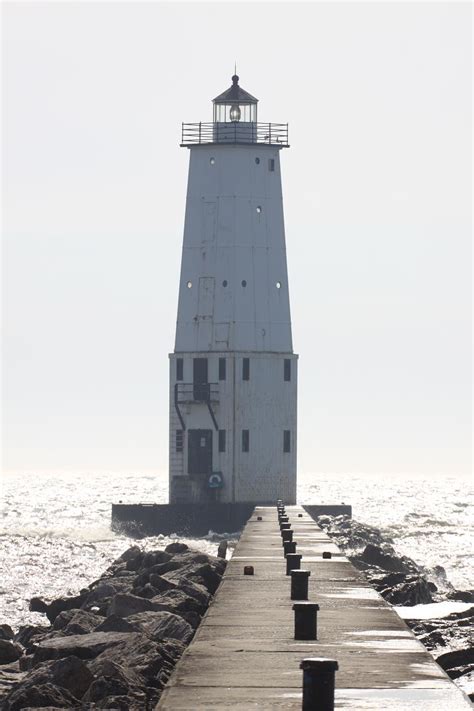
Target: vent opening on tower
[(221, 441), (222, 368)]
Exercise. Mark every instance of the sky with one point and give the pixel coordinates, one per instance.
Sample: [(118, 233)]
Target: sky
[(377, 195)]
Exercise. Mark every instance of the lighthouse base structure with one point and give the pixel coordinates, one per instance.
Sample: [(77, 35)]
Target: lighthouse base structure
[(143, 520)]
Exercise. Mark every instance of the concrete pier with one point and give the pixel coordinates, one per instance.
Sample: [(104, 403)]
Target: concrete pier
[(244, 654), (196, 519)]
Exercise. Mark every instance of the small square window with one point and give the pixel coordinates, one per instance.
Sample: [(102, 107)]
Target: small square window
[(246, 369), (245, 440), (222, 369), (271, 165), (286, 441), (221, 440), (179, 368), (179, 440), (287, 370)]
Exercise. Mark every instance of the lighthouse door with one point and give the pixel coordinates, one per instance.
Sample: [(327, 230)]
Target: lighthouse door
[(199, 452)]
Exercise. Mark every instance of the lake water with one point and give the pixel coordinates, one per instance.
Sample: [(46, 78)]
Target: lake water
[(55, 535)]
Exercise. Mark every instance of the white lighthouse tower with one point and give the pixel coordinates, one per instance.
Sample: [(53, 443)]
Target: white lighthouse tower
[(233, 373)]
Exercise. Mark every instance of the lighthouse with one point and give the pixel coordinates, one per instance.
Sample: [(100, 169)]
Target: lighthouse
[(233, 373)]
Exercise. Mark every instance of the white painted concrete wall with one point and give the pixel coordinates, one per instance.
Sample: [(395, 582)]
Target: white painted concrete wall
[(234, 233), (227, 239)]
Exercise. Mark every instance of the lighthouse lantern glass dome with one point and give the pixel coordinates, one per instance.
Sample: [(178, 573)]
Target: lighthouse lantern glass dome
[(235, 104)]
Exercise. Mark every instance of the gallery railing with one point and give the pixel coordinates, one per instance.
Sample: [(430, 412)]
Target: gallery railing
[(235, 132)]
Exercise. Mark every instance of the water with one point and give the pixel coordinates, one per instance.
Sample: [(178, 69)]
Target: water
[(55, 535)]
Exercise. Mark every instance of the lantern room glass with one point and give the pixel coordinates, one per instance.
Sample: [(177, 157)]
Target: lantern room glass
[(222, 113)]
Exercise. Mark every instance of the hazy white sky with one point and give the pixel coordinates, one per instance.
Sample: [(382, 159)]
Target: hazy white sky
[(377, 193)]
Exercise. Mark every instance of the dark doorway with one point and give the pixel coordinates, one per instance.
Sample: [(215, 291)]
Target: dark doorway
[(200, 452), (200, 381)]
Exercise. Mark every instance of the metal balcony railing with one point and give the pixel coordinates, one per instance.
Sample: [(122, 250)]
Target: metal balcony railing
[(249, 133), (197, 392)]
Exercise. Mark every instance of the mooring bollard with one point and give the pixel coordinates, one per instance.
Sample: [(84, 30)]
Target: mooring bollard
[(248, 570), (293, 562), (318, 683), (327, 554), (259, 518), (284, 519), (299, 584), (306, 618), (222, 549), (300, 515), (285, 526), (286, 535), (289, 547)]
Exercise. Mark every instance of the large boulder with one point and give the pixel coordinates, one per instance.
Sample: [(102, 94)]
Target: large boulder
[(155, 558), (462, 671), (163, 625), (414, 590), (76, 622), (104, 667), (457, 658), (63, 619), (70, 674), (117, 687), (386, 559), (351, 534), (124, 605), (9, 651), (37, 604), (201, 569), (196, 591), (40, 696), (105, 686), (131, 554), (114, 623), (161, 583), (53, 608), (28, 635), (461, 595), (84, 646), (10, 676), (143, 655), (6, 632), (147, 591), (402, 589), (176, 601), (82, 622), (176, 547)]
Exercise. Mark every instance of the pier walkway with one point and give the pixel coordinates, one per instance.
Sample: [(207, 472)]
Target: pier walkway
[(244, 654)]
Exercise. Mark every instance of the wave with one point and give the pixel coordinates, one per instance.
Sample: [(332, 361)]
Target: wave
[(76, 536)]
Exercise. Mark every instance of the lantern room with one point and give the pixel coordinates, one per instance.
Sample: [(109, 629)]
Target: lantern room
[(235, 105), (234, 121)]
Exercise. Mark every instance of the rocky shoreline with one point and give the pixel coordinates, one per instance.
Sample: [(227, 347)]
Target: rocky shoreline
[(115, 644), (402, 582)]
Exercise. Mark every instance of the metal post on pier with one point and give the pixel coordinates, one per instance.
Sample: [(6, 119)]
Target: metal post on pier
[(318, 683)]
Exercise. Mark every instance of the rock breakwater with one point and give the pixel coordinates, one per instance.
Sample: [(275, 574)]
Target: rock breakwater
[(403, 582), (114, 645)]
